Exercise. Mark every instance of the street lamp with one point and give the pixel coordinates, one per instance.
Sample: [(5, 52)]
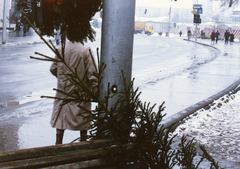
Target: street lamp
[(170, 10)]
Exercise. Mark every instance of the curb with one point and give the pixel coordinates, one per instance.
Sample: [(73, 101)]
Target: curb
[(26, 43), (175, 120), (202, 44)]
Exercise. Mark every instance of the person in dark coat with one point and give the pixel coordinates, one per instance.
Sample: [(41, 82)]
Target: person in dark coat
[(217, 35), (180, 33), (226, 35), (189, 33), (25, 25), (231, 38), (18, 27), (213, 37)]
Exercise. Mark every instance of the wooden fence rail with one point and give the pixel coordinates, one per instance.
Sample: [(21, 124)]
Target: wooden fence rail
[(82, 155)]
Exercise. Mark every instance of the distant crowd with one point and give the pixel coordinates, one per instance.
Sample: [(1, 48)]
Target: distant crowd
[(227, 36)]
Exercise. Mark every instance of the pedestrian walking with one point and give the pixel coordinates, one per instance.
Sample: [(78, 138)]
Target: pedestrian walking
[(217, 35), (18, 27), (212, 37), (231, 38), (25, 25), (226, 36), (180, 33), (78, 57), (189, 33), (202, 34)]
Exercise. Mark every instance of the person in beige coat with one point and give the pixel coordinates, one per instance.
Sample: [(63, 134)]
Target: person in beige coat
[(66, 116)]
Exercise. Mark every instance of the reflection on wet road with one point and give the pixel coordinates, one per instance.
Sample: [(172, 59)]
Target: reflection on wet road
[(151, 63), (178, 72)]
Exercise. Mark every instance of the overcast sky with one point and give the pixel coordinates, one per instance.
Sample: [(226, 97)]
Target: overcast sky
[(165, 3)]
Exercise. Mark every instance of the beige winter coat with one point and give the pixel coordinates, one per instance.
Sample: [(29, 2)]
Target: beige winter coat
[(65, 117)]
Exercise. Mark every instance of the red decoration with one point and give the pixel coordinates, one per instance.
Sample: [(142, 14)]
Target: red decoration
[(59, 2)]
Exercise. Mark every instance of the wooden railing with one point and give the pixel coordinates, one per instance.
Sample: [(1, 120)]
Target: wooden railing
[(82, 155)]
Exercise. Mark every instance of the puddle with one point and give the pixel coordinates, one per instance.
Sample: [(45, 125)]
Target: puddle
[(31, 97)]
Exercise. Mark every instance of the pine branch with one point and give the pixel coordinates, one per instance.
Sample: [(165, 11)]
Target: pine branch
[(39, 34), (48, 58), (214, 164)]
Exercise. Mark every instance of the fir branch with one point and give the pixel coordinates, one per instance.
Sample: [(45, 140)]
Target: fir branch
[(214, 164), (49, 58), (42, 59), (39, 34), (94, 63), (98, 57)]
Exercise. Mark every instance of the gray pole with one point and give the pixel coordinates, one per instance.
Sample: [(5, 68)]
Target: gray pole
[(117, 44), (169, 26), (4, 22), (196, 33)]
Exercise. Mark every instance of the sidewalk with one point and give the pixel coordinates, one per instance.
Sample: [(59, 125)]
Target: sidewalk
[(30, 38), (219, 127)]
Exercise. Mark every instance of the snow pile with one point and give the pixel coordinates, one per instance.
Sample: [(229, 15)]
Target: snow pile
[(217, 128)]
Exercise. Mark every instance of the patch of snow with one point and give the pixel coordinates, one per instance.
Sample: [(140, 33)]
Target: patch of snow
[(217, 128)]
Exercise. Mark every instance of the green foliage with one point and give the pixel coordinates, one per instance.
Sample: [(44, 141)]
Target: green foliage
[(186, 154), (141, 141), (73, 16), (206, 155)]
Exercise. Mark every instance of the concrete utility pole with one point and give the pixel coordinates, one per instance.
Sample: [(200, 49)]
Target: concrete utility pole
[(4, 22), (117, 44), (196, 32), (169, 21)]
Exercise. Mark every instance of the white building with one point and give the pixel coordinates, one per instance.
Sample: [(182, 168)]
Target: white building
[(235, 17), (177, 15)]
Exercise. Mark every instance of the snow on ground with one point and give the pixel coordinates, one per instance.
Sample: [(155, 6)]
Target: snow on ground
[(217, 128)]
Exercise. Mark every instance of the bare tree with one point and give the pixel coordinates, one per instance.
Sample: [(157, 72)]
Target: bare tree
[(229, 3)]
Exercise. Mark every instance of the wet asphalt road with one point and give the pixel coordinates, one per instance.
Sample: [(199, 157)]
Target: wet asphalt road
[(21, 76), (178, 72)]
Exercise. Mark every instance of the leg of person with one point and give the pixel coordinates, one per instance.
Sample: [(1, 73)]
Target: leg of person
[(59, 136), (83, 135)]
